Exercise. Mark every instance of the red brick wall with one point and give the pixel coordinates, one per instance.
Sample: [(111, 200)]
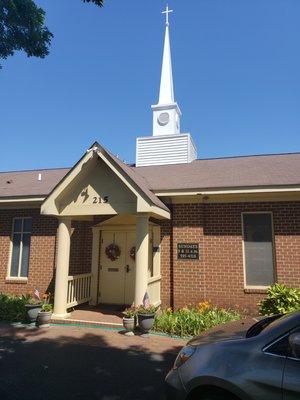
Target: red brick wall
[(81, 248), (43, 247), (42, 251), (219, 275)]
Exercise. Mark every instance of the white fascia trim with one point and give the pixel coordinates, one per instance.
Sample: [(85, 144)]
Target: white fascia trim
[(229, 191), (18, 200)]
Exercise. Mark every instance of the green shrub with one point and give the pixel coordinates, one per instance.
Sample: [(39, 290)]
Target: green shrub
[(12, 307), (192, 320), (280, 300)]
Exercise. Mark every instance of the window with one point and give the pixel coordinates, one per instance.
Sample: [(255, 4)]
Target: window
[(20, 247), (258, 249), (283, 346)]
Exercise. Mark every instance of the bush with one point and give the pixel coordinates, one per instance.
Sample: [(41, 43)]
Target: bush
[(280, 300), (192, 320), (12, 308)]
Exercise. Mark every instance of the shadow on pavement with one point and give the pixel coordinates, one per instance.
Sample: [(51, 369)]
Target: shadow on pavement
[(35, 366)]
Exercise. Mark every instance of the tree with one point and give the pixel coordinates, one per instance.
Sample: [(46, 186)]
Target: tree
[(22, 28)]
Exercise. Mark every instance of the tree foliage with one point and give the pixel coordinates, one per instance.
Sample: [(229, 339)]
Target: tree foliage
[(97, 2), (22, 28)]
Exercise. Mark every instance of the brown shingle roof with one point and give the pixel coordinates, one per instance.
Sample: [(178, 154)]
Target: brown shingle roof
[(250, 171), (237, 172), (26, 183)]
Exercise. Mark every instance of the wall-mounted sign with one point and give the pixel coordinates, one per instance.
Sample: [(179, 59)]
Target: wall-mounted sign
[(188, 251)]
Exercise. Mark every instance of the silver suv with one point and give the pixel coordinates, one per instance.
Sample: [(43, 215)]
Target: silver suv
[(233, 363)]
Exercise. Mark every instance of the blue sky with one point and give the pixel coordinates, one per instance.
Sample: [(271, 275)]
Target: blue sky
[(236, 69)]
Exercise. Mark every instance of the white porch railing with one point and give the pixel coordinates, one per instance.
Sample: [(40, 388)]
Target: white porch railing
[(79, 289), (154, 289)]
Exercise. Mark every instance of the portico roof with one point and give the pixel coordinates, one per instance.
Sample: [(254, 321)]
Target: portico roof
[(101, 184)]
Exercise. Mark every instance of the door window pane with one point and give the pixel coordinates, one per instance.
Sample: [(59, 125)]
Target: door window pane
[(258, 247)]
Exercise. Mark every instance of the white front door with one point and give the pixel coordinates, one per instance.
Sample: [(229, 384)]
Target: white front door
[(117, 276)]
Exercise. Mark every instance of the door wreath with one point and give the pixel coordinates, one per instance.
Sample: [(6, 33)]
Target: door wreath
[(132, 253), (113, 251)]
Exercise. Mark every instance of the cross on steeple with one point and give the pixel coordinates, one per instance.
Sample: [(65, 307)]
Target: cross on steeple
[(167, 14)]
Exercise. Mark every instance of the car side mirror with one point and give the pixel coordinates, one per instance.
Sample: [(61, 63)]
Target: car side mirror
[(294, 341)]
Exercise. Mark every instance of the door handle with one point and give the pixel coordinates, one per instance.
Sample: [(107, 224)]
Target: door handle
[(127, 268)]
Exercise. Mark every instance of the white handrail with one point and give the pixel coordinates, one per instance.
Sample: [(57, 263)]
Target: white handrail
[(79, 289)]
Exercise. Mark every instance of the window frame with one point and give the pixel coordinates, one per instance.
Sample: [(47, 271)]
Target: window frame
[(268, 348), (22, 232), (258, 287)]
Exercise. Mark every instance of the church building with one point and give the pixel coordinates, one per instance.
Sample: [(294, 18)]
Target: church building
[(183, 229)]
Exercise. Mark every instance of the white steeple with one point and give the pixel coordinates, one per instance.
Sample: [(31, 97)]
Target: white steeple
[(166, 93), (166, 114), (166, 145)]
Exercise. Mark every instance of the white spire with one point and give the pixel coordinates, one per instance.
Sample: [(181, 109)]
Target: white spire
[(166, 92), (166, 145)]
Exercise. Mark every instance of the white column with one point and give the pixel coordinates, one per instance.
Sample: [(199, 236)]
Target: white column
[(62, 269), (141, 258), (95, 266)]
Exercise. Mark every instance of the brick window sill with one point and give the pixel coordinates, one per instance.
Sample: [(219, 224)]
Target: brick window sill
[(255, 291), (17, 281)]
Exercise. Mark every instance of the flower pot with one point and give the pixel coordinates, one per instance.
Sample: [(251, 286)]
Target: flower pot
[(32, 311), (129, 325), (43, 319), (146, 322)]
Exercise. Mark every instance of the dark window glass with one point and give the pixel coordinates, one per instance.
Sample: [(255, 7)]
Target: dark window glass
[(282, 347), (20, 247), (27, 225), (25, 255), (18, 225), (15, 254), (258, 245)]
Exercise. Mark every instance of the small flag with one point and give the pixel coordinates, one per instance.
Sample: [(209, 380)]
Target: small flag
[(146, 301), (36, 294)]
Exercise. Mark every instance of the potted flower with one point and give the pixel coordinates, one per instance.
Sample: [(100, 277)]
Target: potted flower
[(44, 315), (129, 321), (146, 315), (33, 304)]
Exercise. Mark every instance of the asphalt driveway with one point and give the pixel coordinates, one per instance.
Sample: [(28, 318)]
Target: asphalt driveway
[(68, 362)]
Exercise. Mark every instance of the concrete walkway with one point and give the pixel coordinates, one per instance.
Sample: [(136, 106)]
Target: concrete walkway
[(72, 362)]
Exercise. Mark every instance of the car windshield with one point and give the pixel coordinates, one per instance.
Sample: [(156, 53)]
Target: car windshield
[(261, 325)]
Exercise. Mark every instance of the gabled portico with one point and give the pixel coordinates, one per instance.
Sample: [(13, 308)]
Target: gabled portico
[(105, 191)]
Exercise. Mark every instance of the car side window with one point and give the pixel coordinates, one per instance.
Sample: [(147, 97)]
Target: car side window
[(282, 346)]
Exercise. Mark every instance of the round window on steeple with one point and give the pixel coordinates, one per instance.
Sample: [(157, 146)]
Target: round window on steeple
[(163, 118)]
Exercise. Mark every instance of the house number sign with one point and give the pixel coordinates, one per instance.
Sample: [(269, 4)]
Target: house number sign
[(188, 251), (93, 199), (99, 200)]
